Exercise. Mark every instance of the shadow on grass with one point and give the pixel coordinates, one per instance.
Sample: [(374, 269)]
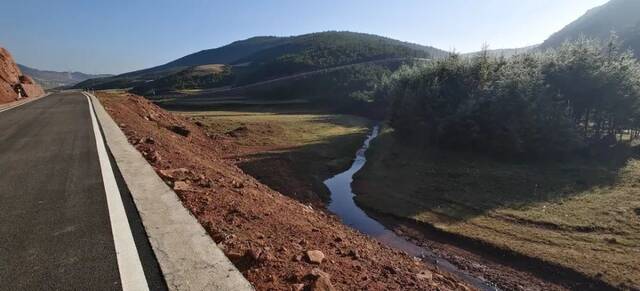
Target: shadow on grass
[(400, 183), (299, 172), (246, 103), (459, 186), (272, 108), (549, 271)]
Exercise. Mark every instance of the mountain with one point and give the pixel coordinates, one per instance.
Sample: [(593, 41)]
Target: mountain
[(619, 16), (505, 52), (265, 57), (53, 79), (228, 54), (13, 83)]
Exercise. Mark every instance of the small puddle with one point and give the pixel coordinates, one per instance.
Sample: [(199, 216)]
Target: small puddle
[(343, 205)]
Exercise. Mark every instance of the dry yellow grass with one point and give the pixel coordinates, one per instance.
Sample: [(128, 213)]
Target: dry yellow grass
[(210, 69), (581, 215), (293, 152), (282, 128)]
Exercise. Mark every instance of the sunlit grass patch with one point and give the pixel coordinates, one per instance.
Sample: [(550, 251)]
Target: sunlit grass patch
[(579, 214), (291, 151)]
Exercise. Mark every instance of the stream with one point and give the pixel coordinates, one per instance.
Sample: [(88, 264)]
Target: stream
[(343, 205)]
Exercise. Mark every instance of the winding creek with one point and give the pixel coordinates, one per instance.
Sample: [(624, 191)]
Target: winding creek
[(343, 205)]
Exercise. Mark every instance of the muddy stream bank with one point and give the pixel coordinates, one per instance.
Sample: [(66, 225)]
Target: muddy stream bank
[(343, 205)]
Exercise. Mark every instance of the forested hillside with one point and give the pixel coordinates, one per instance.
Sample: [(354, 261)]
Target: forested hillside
[(536, 105), (349, 90), (619, 16), (228, 54), (198, 77), (262, 58), (329, 49)]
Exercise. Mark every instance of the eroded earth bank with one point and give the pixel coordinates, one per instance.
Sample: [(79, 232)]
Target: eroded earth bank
[(277, 242)]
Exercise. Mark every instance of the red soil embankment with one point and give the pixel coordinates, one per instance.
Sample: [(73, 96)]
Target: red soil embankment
[(12, 81), (270, 237)]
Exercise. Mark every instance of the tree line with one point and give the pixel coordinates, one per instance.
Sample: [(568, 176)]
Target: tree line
[(348, 90), (582, 94)]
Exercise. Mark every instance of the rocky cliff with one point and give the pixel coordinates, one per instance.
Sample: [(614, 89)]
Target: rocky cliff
[(13, 84)]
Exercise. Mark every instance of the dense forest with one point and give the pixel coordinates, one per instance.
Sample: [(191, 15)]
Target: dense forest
[(581, 94)]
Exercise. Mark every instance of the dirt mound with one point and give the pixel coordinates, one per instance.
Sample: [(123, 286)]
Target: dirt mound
[(13, 84), (275, 241), (239, 131)]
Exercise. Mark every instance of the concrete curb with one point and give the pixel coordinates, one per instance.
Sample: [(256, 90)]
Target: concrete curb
[(188, 257)]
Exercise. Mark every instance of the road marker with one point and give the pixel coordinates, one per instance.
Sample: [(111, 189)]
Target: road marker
[(129, 265)]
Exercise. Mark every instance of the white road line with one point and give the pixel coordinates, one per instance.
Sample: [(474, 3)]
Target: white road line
[(131, 272), (23, 103)]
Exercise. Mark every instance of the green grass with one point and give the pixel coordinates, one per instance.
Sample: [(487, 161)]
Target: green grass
[(584, 215), (291, 151)]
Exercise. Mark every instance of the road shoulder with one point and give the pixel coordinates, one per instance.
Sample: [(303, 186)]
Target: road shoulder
[(17, 103), (188, 257)]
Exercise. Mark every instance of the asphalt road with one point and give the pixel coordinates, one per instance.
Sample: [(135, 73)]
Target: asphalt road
[(55, 230)]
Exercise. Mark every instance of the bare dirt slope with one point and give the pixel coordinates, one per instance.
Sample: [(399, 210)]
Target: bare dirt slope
[(271, 238), (12, 80)]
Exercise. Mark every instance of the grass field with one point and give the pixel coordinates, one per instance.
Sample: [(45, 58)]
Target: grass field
[(581, 215), (292, 151)]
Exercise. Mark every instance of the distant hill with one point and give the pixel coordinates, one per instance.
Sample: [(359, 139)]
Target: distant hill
[(228, 54), (53, 79), (505, 52), (262, 58), (619, 16)]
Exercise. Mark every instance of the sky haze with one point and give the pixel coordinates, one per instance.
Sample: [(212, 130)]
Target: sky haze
[(121, 36)]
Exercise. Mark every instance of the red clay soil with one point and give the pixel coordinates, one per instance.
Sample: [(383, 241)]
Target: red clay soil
[(9, 74), (11, 79), (268, 236)]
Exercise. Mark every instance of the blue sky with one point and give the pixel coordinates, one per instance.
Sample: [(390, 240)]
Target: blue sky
[(118, 36)]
